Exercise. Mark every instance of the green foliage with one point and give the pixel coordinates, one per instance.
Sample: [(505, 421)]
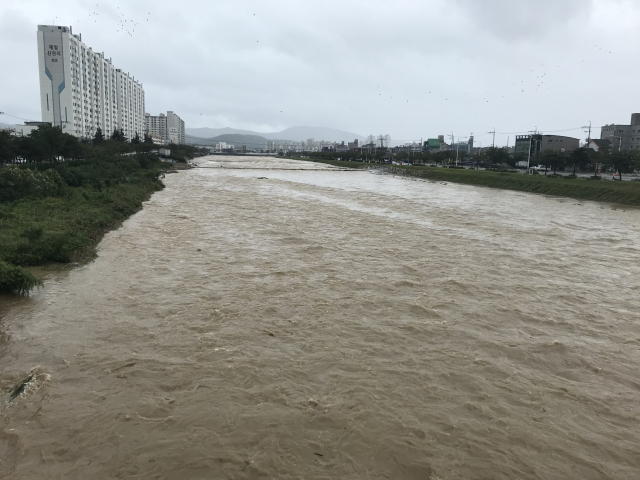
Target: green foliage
[(616, 192), (579, 158), (7, 147), (182, 153), (46, 144), (57, 211), (497, 155), (340, 163), (627, 193), (622, 161), (118, 135), (15, 279), (96, 195), (98, 138), (16, 183), (553, 160)]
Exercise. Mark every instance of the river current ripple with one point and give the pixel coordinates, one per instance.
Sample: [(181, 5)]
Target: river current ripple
[(333, 324)]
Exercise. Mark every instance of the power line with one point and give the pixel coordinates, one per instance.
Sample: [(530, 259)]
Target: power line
[(509, 133), (19, 118), (541, 130)]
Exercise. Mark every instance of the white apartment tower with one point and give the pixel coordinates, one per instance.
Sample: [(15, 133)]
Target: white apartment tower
[(81, 90), (169, 128)]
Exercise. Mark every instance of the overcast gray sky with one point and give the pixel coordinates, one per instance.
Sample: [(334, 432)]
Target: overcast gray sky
[(411, 69)]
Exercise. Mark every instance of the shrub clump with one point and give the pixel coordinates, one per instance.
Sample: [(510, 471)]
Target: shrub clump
[(16, 183), (15, 279)]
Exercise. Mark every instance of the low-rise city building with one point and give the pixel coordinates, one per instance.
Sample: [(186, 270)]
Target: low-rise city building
[(623, 137), (27, 128), (531, 144)]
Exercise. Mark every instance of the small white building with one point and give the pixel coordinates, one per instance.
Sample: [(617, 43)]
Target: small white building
[(27, 128)]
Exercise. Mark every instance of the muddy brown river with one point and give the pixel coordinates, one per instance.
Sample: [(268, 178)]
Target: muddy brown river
[(256, 320)]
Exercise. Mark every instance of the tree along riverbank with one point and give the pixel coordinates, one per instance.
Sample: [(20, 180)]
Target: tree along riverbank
[(623, 192), (59, 194), (58, 212)]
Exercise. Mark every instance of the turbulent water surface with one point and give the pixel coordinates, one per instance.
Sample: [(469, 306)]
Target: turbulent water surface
[(263, 323)]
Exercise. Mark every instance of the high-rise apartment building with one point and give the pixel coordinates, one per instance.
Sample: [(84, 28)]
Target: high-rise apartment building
[(169, 128), (81, 90)]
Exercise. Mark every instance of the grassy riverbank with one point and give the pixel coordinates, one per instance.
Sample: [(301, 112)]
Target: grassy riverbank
[(627, 193), (337, 163), (58, 212)]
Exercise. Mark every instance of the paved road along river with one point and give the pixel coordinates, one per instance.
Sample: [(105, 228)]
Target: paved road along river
[(258, 322)]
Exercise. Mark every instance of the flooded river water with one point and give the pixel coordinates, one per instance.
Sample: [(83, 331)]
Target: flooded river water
[(270, 323)]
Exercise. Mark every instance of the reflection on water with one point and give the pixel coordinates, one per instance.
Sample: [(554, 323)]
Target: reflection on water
[(331, 324)]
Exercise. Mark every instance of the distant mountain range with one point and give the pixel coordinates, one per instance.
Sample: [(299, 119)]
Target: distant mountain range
[(293, 134), (235, 139)]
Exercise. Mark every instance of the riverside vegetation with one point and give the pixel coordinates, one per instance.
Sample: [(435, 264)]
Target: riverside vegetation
[(58, 197), (594, 188)]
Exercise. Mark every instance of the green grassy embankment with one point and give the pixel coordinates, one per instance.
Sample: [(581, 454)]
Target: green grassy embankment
[(627, 193), (335, 163), (58, 212)]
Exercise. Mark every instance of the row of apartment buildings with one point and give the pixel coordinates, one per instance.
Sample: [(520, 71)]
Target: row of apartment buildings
[(81, 91)]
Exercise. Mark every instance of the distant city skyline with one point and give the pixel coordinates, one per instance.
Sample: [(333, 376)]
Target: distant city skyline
[(410, 69)]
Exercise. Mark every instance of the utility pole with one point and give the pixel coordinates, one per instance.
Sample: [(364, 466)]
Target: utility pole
[(530, 139), (589, 136), (493, 144)]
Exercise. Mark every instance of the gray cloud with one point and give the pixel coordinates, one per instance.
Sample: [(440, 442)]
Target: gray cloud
[(516, 20), (410, 69)]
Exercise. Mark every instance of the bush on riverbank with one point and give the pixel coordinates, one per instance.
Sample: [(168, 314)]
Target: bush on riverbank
[(90, 198), (18, 182), (182, 153), (49, 144), (15, 279)]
